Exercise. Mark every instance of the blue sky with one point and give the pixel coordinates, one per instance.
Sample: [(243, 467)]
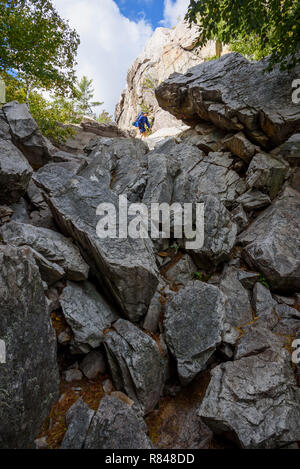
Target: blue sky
[(152, 10), (113, 33)]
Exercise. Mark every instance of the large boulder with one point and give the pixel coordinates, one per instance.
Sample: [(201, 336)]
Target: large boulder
[(29, 377), (119, 164), (20, 122), (220, 234), (240, 146), (179, 159), (78, 420), (290, 150), (271, 244), (257, 339), (50, 271), (53, 176), (159, 188), (182, 271), (255, 399), (237, 305), (193, 325), (152, 318), (181, 173), (85, 132), (240, 218), (4, 127), (116, 425), (289, 320), (136, 363), (234, 94), (125, 267), (26, 134), (264, 307), (267, 174), (87, 313), (213, 176), (206, 137), (40, 214), (77, 142), (51, 245), (15, 173), (262, 301), (93, 364), (253, 200), (103, 130)]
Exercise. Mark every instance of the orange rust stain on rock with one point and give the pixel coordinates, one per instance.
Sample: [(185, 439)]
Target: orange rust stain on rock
[(166, 425), (54, 427)]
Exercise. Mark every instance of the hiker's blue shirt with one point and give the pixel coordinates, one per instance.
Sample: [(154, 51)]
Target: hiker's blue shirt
[(143, 120)]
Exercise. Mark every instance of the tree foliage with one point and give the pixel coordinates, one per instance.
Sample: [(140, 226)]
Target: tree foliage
[(105, 118), (37, 43), (84, 94), (37, 53), (48, 113), (51, 113), (271, 26), (250, 47)]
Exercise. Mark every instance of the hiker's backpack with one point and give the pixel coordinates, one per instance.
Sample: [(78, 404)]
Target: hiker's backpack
[(135, 123)]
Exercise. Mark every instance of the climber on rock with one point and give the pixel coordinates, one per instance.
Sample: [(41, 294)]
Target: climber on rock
[(142, 122)]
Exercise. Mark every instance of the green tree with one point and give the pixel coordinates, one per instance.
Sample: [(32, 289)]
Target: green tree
[(38, 44), (49, 114), (84, 94), (273, 26), (250, 47), (104, 118), (149, 84)]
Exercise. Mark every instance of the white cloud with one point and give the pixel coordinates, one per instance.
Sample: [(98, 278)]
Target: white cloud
[(110, 42), (173, 10)]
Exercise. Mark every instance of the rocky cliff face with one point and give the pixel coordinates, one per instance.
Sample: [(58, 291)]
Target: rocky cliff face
[(168, 51), (234, 95), (149, 331)]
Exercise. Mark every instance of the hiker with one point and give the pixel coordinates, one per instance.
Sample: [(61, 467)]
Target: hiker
[(142, 122)]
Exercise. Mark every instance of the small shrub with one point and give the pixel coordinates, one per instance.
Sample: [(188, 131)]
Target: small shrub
[(263, 281), (198, 275)]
